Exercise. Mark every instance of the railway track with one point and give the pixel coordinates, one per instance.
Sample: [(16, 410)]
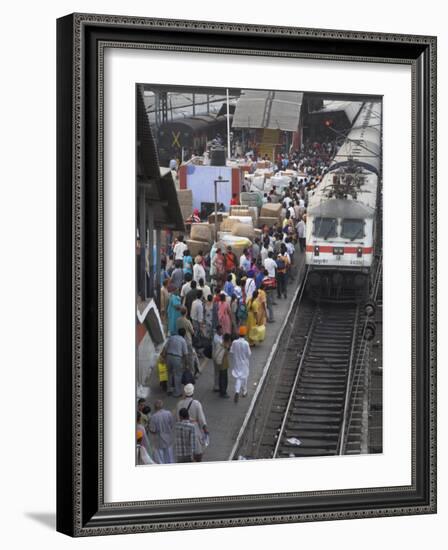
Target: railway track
[(305, 402), (313, 418)]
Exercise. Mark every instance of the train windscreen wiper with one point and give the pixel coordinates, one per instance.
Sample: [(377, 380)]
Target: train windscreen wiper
[(327, 234), (356, 234)]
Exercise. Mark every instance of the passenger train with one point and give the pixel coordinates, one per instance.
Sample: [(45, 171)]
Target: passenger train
[(342, 215)]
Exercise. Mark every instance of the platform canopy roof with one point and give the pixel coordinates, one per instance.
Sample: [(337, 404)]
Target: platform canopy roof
[(350, 108), (268, 109), (157, 183)]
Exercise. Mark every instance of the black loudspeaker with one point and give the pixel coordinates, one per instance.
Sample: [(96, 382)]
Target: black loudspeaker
[(218, 156)]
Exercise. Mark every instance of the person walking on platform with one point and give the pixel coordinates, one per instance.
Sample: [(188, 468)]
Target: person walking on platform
[(161, 427), (270, 265), (245, 261), (164, 300), (209, 315), (197, 417), (179, 248), (191, 296), (281, 275), (177, 276), (197, 313), (240, 356), (176, 353), (198, 270), (231, 260), (187, 262), (173, 311), (262, 300), (250, 286), (224, 314), (269, 285), (301, 232), (224, 367), (184, 436), (186, 324), (253, 314), (217, 356), (219, 267)]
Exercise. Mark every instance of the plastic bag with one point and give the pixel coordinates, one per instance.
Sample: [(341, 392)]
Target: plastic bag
[(162, 370), (143, 456), (142, 391)]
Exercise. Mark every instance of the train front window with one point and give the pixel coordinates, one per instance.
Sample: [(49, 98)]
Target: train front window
[(352, 229), (325, 228)]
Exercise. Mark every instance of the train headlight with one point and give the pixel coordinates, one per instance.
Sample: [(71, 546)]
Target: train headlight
[(359, 252), (338, 250), (316, 250)]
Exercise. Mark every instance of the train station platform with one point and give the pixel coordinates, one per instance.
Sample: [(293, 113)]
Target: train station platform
[(224, 417)]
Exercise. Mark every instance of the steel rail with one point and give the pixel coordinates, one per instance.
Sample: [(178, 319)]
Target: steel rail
[(295, 383), (359, 361), (350, 374)]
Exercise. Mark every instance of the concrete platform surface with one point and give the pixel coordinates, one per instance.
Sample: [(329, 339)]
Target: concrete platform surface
[(224, 417)]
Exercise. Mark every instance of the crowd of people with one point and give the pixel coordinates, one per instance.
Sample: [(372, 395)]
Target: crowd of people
[(215, 306)]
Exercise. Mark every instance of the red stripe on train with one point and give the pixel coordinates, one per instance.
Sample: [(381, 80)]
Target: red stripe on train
[(347, 249)]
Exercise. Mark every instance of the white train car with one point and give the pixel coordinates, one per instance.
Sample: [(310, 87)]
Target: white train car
[(342, 214)]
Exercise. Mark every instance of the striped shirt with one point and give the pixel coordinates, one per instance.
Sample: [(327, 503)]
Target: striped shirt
[(184, 437)]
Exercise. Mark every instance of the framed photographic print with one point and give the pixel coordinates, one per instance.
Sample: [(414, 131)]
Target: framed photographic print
[(246, 274)]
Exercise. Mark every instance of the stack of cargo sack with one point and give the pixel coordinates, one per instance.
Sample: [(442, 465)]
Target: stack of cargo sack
[(245, 211), (201, 238), (237, 243), (231, 221), (253, 198), (244, 230), (270, 214)]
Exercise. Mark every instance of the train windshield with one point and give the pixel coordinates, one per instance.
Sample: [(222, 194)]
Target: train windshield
[(352, 229), (324, 228)]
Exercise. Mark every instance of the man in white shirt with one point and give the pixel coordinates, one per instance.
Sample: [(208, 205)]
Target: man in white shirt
[(197, 313), (264, 252), (292, 211), (250, 286), (244, 260), (270, 265), (198, 270), (289, 247), (179, 248), (206, 292), (217, 355), (301, 234), (186, 287), (240, 354)]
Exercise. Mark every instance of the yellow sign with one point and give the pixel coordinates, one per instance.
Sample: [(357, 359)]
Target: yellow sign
[(176, 142)]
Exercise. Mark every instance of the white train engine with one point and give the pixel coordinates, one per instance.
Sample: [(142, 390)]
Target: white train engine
[(342, 217)]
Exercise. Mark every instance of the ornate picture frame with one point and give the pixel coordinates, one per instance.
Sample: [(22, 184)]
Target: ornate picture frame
[(81, 42)]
